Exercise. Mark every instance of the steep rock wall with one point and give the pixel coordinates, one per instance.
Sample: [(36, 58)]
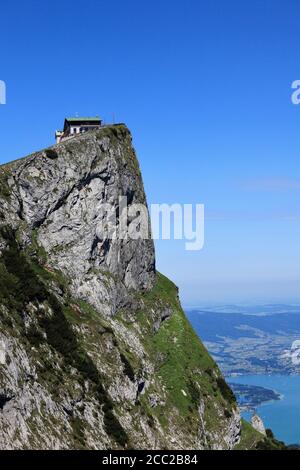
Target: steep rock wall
[(95, 351)]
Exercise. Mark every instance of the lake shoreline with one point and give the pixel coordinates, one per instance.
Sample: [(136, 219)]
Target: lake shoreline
[(250, 397), (281, 415)]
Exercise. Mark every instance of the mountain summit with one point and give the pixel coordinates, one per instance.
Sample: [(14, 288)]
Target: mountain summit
[(95, 350)]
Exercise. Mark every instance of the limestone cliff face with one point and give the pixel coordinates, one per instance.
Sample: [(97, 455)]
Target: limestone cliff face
[(95, 351), (59, 193)]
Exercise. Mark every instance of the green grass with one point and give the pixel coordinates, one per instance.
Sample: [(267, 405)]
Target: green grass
[(249, 437), (35, 249), (184, 354), (177, 342), (254, 440)]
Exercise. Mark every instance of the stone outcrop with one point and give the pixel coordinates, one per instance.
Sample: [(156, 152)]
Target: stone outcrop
[(258, 424), (95, 351)]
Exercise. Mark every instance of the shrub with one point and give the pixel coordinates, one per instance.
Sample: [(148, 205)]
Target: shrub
[(128, 370), (34, 336), (225, 390), (194, 393), (50, 153)]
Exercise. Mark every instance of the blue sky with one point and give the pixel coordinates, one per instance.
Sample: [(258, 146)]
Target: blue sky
[(205, 88)]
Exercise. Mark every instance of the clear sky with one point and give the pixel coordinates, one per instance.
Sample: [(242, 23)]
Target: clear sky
[(205, 87)]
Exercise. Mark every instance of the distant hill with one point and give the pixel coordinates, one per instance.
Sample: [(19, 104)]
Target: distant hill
[(250, 340)]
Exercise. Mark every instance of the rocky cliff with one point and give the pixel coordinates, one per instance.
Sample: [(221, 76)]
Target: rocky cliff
[(95, 351)]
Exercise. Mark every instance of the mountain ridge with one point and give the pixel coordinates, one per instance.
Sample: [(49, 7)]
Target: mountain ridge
[(96, 350)]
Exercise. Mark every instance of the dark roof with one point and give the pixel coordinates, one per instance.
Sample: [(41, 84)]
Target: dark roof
[(85, 119)]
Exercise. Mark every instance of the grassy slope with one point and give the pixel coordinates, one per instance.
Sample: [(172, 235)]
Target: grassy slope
[(187, 371), (253, 440), (249, 437)]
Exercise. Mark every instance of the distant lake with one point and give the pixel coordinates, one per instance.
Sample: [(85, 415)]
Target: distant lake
[(252, 341), (282, 416)]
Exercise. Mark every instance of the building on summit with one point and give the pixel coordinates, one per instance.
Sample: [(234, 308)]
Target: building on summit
[(77, 125)]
